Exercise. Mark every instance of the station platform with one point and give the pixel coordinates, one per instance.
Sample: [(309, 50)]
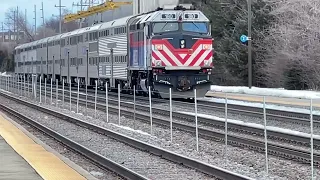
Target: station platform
[(21, 158), (269, 99)]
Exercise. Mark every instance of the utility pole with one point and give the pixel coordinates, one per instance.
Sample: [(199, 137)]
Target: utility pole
[(2, 33), (249, 45), (81, 9), (14, 25), (44, 30), (17, 25), (60, 16), (35, 20)]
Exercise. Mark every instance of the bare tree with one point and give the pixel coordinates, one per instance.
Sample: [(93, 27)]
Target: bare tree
[(12, 19), (293, 42)]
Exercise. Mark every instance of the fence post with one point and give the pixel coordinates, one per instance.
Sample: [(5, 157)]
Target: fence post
[(95, 100), (226, 125), (107, 105), (170, 94), (40, 89), (119, 105), (150, 109), (134, 107), (265, 133), (196, 116), (311, 137), (24, 85), (70, 93), (51, 92), (63, 93), (86, 99), (28, 91), (57, 94), (78, 95), (35, 87), (45, 90)]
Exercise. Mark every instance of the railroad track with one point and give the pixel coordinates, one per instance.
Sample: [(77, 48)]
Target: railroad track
[(271, 114), (76, 147), (236, 140), (189, 162)]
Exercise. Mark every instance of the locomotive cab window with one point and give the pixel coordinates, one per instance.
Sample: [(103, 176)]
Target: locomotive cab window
[(198, 27), (161, 27)]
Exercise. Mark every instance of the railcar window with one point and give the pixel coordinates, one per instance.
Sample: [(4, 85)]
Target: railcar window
[(165, 27), (199, 27)]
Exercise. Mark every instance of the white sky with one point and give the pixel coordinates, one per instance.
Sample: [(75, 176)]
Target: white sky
[(48, 6)]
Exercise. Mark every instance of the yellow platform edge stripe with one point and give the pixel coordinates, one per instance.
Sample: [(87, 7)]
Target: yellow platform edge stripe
[(45, 163), (259, 99)]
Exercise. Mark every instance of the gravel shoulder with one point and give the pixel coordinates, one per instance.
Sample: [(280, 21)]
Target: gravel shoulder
[(153, 167), (239, 160)]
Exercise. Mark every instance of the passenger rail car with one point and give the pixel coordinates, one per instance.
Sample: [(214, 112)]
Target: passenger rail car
[(165, 48)]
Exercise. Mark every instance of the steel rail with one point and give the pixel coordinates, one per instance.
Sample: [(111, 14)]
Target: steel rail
[(258, 145), (93, 156), (189, 162)]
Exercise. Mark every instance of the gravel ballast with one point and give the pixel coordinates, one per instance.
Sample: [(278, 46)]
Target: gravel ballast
[(153, 167), (239, 160)]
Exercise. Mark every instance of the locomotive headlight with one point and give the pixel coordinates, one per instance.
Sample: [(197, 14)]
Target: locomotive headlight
[(158, 63), (182, 43), (158, 47), (206, 46)]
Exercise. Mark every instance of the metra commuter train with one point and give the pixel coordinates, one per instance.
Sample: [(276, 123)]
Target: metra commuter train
[(165, 48)]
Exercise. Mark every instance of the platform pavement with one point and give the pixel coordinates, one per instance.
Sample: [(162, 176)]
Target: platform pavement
[(269, 99), (23, 156), (13, 166)]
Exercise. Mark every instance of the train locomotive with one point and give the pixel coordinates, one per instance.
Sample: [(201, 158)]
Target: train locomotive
[(170, 47)]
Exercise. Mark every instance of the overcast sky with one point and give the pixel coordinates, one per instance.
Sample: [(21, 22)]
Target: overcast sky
[(48, 6)]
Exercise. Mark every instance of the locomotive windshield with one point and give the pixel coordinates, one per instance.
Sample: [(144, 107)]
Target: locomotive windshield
[(197, 27), (165, 27)]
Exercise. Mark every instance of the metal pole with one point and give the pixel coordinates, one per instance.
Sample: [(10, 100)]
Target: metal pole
[(28, 87), (70, 92), (44, 31), (51, 93), (78, 96), (226, 125), (249, 45), (86, 81), (40, 89), (119, 103), (196, 116), (134, 107), (170, 94), (95, 100), (311, 138), (57, 89), (150, 107), (35, 88), (107, 105), (63, 93), (265, 133), (45, 90), (24, 84)]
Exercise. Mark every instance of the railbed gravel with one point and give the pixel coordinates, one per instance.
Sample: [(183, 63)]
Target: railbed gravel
[(93, 169), (239, 160), (153, 167), (177, 106)]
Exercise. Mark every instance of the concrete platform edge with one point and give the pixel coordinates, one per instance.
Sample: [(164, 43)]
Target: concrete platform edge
[(74, 166)]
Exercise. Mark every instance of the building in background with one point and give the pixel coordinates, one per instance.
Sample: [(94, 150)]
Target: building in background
[(10, 36)]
